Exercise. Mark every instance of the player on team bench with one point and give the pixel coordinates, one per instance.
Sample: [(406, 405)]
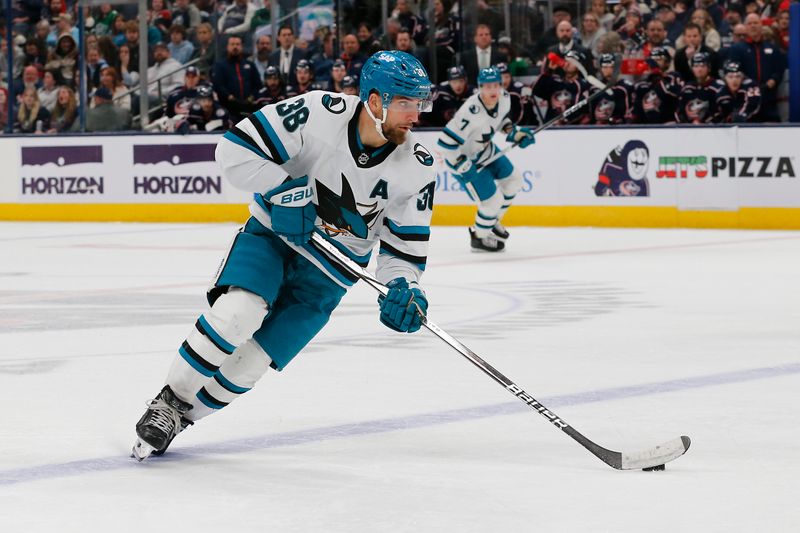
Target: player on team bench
[(466, 141), (345, 167)]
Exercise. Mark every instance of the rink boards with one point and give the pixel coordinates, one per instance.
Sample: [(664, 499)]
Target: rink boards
[(731, 177)]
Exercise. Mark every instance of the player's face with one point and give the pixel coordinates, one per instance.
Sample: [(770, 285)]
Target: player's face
[(700, 71), (458, 85), (402, 114), (273, 82), (733, 80), (607, 71), (490, 93), (506, 77), (303, 76), (352, 91)]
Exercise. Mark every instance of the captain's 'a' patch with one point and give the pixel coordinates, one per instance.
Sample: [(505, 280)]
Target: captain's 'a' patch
[(334, 104)]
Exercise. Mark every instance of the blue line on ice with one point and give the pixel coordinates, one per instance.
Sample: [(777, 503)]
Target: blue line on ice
[(262, 442)]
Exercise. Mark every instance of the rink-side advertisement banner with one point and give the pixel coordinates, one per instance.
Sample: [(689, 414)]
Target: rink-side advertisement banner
[(705, 177)]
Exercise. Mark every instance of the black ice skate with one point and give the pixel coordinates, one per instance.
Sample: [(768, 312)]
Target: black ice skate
[(490, 243), (500, 232), (161, 423)]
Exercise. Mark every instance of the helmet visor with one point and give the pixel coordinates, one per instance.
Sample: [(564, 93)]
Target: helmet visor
[(405, 104)]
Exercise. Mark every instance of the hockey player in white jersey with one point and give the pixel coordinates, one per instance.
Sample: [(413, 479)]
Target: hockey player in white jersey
[(466, 141), (345, 167)]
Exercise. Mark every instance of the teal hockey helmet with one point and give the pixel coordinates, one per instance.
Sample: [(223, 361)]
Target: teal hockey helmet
[(393, 73), (489, 75)]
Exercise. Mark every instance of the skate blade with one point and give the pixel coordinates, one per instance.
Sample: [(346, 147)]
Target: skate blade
[(141, 450)]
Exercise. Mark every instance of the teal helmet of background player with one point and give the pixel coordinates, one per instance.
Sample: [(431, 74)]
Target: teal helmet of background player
[(489, 75), (394, 73)]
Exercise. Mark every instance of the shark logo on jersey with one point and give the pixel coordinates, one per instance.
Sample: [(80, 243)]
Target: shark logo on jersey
[(624, 171), (342, 215), (334, 104), (423, 155)]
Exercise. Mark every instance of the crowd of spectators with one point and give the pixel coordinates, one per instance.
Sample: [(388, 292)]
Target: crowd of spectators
[(666, 61)]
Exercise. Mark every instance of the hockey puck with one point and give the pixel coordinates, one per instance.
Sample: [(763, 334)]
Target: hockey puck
[(655, 468)]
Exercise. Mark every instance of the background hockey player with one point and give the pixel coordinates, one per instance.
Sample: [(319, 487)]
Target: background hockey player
[(466, 141), (205, 114), (656, 97), (738, 98), (305, 80), (520, 94), (561, 85), (612, 108), (273, 90), (448, 96), (697, 97), (346, 168)]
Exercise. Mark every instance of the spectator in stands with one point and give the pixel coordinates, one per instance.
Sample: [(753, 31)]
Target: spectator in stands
[(591, 31), (697, 96), (207, 115), (52, 9), (781, 29), (353, 60), (392, 26), (367, 43), (180, 48), (734, 16), (763, 63), (30, 79), (206, 49), (693, 43), (305, 80), (404, 43), (111, 80), (24, 13), (17, 65), (63, 25), (604, 17), (261, 56), (285, 58), (666, 14), (103, 116), (236, 80), (118, 30), (350, 85), (567, 42), (416, 24), (104, 16), (187, 15), (48, 92), (160, 22), (274, 90), (324, 60), (32, 117), (711, 36), (42, 31), (94, 64), (128, 78), (447, 33), (550, 38), (632, 32), (64, 112), (236, 19), (108, 52), (482, 55), (64, 58), (35, 53), (655, 36), (132, 40), (164, 76)]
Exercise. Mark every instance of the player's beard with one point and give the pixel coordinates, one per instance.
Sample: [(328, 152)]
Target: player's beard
[(395, 134)]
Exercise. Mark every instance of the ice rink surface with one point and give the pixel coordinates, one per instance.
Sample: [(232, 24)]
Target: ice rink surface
[(633, 336)]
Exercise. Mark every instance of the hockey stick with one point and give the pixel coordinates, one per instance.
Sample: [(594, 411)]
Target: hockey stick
[(645, 459), (566, 115)]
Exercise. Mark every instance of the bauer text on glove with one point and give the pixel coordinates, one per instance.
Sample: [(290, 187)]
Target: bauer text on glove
[(293, 214)]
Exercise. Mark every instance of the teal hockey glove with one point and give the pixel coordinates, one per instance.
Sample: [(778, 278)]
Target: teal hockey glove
[(403, 307), (463, 169), (293, 214), (522, 136)]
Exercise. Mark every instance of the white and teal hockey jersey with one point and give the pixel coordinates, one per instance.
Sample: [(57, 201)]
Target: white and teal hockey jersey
[(472, 128), (363, 195)]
